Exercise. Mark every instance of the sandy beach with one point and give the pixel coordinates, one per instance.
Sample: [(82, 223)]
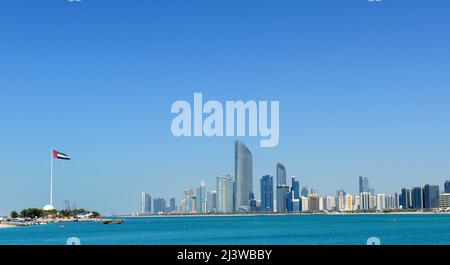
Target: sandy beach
[(5, 226)]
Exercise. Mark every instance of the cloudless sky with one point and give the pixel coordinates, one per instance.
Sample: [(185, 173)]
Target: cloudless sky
[(364, 89)]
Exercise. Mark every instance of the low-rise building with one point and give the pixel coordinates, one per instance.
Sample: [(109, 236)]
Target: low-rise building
[(444, 200)]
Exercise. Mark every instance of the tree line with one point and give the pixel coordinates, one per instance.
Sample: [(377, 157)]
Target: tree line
[(39, 213)]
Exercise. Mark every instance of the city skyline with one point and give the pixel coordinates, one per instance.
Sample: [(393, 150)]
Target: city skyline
[(280, 197), (417, 198)]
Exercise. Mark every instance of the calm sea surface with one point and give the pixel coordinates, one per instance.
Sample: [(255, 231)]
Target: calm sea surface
[(247, 230)]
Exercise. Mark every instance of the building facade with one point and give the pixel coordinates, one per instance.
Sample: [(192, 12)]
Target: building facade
[(211, 202), (159, 205), (418, 198), (444, 201), (224, 189), (364, 184), (431, 196), (146, 203), (243, 173), (201, 198), (266, 188), (447, 186)]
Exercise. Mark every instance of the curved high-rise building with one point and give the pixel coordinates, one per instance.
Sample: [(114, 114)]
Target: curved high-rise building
[(243, 177), (281, 175)]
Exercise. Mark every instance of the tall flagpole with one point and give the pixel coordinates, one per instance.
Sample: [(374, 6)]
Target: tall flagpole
[(51, 177)]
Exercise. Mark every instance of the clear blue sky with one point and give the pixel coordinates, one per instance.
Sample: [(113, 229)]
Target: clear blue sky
[(364, 89)]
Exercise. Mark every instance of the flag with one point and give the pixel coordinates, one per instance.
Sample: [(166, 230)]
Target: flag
[(59, 155)]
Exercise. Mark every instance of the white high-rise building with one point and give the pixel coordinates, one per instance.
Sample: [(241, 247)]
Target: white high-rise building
[(304, 203), (373, 199), (340, 203), (224, 189), (201, 198), (381, 201), (366, 201), (146, 203), (356, 202), (330, 203), (323, 203)]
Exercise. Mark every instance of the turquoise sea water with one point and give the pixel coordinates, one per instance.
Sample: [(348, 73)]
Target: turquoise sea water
[(246, 230)]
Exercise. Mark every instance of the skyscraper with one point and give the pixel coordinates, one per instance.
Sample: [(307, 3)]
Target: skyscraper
[(211, 202), (406, 198), (447, 186), (365, 201), (304, 204), (290, 201), (186, 200), (390, 202), (341, 192), (172, 205), (281, 175), (282, 193), (224, 189), (364, 184), (159, 205), (348, 202), (243, 173), (381, 201), (282, 188), (396, 200), (296, 205), (431, 196), (313, 202), (340, 200), (305, 191), (146, 203), (201, 198), (266, 193), (340, 203), (357, 202), (417, 198), (330, 203), (295, 188)]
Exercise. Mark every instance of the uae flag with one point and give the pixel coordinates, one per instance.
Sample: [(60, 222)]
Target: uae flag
[(59, 155)]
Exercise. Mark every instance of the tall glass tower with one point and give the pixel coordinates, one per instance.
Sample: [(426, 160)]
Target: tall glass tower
[(295, 188), (364, 184), (281, 175), (243, 177), (282, 188), (267, 194), (417, 198), (201, 198), (431, 196)]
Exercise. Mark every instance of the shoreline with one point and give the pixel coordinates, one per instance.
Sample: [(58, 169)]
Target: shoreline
[(6, 226), (280, 214), (45, 221)]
